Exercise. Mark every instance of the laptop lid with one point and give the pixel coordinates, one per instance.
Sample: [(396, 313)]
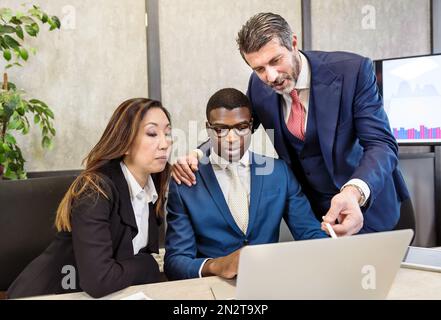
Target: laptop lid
[(356, 267)]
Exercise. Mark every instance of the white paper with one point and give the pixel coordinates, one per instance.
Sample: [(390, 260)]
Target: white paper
[(137, 296)]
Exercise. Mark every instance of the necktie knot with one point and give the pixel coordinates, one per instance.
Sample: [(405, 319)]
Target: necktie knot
[(232, 170), (294, 95)]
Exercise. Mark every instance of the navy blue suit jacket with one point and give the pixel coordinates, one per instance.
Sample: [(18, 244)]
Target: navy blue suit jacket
[(353, 129), (200, 224)]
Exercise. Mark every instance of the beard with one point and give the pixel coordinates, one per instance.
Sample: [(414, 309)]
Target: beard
[(290, 84)]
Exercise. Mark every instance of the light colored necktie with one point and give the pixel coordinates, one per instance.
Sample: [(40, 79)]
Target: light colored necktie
[(296, 120), (238, 199)]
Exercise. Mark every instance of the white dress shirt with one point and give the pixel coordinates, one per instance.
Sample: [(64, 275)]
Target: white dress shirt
[(140, 198), (303, 87), (219, 166)]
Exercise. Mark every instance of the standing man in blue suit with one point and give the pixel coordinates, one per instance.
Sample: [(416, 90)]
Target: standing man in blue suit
[(329, 126), (241, 199)]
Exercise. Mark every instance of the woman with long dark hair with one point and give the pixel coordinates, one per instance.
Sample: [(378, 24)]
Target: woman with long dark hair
[(108, 220)]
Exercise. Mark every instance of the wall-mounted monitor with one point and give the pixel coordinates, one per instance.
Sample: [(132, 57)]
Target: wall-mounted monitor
[(411, 90)]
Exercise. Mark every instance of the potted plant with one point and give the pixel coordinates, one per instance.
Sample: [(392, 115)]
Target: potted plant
[(14, 106)]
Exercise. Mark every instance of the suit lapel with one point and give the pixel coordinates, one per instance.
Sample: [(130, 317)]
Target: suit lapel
[(326, 89), (212, 185), (126, 209), (256, 189)]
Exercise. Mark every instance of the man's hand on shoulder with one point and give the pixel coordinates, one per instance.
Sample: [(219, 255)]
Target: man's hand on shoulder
[(184, 168)]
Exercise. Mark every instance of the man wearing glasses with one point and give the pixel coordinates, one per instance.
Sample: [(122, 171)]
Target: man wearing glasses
[(241, 199)]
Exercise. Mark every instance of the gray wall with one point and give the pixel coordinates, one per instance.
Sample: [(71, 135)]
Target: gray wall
[(375, 28), (436, 26), (84, 73), (199, 54)]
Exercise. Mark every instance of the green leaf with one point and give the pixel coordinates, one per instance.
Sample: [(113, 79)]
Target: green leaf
[(16, 20), (22, 175), (6, 29), (3, 43), (6, 14), (10, 139), (47, 143), (21, 111), (27, 20), (32, 29), (21, 125), (36, 27), (10, 174), (19, 14), (55, 23), (33, 51), (19, 32), (12, 86), (11, 42), (50, 113), (6, 147), (36, 12), (13, 125), (45, 18), (9, 107), (24, 54), (12, 65), (25, 129), (37, 119), (7, 55), (53, 132)]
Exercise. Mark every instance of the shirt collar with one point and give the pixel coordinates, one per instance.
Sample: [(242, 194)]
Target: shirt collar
[(222, 163), (304, 79), (136, 191)]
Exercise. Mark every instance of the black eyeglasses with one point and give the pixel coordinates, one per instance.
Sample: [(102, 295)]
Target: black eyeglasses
[(241, 129)]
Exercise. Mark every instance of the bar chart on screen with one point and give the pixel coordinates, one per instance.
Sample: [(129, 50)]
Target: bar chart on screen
[(412, 98)]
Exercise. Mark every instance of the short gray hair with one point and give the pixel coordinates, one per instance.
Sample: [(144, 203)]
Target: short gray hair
[(261, 29)]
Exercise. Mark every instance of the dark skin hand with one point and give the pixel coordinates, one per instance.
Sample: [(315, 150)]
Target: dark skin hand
[(225, 267)]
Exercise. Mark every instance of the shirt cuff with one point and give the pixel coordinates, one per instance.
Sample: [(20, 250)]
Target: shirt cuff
[(363, 186), (202, 266)]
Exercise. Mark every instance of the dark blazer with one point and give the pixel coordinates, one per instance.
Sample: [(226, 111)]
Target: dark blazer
[(99, 249), (200, 224), (353, 130)]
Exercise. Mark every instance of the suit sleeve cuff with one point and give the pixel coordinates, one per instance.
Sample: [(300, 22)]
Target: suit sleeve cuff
[(202, 266), (363, 186)]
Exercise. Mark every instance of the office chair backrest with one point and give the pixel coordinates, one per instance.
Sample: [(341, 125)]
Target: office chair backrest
[(27, 213), (407, 218)]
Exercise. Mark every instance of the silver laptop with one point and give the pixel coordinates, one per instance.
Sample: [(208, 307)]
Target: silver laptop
[(357, 267)]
